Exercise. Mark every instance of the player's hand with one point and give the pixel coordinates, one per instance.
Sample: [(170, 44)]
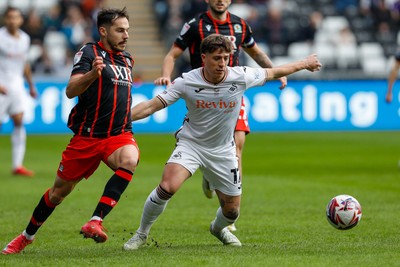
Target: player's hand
[(3, 90), (162, 81), (388, 98), (312, 63), (32, 91), (283, 81), (98, 65)]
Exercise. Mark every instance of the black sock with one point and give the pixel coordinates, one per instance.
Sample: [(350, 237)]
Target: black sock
[(42, 211), (112, 192)]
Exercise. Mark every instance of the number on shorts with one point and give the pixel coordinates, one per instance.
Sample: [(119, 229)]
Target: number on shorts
[(236, 176)]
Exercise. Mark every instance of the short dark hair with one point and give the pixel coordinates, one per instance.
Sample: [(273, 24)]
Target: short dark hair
[(10, 9), (214, 42), (106, 17)]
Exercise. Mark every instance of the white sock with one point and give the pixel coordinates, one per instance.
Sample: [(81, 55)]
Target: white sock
[(221, 221), (153, 207), (18, 140), (29, 237), (96, 218)]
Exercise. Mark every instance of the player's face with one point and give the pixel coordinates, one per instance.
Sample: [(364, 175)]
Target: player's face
[(215, 65), (13, 20), (116, 36), (219, 6)]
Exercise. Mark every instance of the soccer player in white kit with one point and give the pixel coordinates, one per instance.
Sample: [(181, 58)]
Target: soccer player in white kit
[(213, 96), (14, 47)]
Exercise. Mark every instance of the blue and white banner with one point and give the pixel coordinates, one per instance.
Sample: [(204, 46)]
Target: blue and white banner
[(302, 106)]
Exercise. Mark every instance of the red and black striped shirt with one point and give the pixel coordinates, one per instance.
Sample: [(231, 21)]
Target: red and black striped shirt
[(194, 31), (104, 109)]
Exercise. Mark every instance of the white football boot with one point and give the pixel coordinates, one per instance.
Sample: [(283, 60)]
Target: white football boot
[(226, 237), (135, 242)]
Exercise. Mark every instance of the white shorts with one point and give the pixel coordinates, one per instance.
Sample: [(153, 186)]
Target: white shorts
[(218, 165), (12, 104)]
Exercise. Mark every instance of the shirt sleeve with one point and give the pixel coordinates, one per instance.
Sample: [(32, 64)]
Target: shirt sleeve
[(83, 60), (254, 76), (173, 92), (248, 41), (186, 35)]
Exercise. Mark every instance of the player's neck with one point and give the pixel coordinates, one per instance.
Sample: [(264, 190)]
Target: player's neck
[(14, 33), (212, 77), (219, 16)]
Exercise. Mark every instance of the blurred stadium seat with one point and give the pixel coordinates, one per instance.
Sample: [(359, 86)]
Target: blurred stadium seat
[(56, 45), (43, 5), (23, 5)]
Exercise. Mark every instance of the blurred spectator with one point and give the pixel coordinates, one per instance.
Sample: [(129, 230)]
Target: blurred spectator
[(381, 14), (174, 22), (75, 28), (310, 28), (193, 8), (241, 8), (271, 28), (345, 37), (34, 27), (343, 5), (52, 19), (99, 5), (161, 10)]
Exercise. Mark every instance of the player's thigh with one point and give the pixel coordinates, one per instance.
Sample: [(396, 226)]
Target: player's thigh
[(222, 173), (121, 151), (125, 157), (174, 175), (182, 164), (17, 118), (4, 106)]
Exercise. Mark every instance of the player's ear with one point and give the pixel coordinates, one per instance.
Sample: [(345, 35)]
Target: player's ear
[(203, 57), (102, 31)]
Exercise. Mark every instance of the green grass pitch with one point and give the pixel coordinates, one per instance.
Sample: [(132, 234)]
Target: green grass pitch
[(288, 180)]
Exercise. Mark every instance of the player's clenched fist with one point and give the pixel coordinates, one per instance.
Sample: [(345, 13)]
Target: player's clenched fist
[(312, 63), (162, 81), (98, 65)]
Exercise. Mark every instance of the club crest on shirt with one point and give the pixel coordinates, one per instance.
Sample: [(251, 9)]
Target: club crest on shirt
[(233, 88), (78, 57), (185, 28), (237, 28)]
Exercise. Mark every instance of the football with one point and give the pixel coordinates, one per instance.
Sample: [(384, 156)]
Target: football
[(343, 212)]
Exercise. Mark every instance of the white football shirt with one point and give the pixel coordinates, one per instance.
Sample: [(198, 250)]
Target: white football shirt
[(213, 109), (13, 56)]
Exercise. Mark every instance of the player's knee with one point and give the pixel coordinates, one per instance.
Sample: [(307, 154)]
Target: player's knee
[(232, 214), (129, 163), (55, 198)]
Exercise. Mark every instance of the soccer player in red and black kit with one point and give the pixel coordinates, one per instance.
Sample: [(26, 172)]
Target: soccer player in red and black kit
[(217, 20), (101, 121)]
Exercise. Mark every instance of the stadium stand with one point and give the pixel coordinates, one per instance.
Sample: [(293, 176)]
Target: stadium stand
[(355, 39)]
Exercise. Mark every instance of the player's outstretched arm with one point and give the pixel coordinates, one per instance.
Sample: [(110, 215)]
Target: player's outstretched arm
[(168, 65), (263, 61), (146, 108), (310, 63)]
